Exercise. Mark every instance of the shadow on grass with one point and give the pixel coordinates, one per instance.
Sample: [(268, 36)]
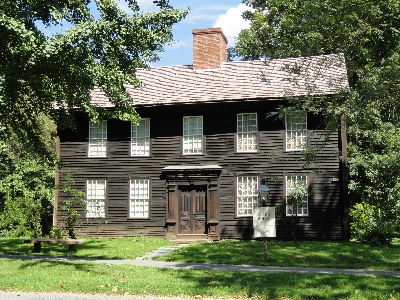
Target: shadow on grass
[(146, 280), (290, 285), (305, 254), (16, 246), (122, 248)]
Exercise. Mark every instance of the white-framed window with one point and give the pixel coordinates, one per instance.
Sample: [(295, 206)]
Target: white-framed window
[(299, 208), (97, 139), (139, 198), (96, 198), (140, 138), (247, 132), (296, 130), (193, 135), (246, 195)]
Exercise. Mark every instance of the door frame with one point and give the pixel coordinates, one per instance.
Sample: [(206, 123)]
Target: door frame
[(176, 176)]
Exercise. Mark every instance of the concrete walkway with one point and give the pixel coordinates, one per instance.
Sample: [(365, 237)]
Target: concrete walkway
[(146, 261)]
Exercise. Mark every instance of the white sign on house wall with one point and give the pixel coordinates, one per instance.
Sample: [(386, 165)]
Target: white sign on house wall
[(264, 222)]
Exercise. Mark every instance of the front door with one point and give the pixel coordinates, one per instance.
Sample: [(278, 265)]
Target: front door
[(192, 209)]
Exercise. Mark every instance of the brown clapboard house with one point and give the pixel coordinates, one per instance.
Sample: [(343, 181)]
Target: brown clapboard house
[(192, 166)]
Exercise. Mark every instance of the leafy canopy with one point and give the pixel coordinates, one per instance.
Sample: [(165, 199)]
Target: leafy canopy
[(53, 75), (43, 79), (367, 32)]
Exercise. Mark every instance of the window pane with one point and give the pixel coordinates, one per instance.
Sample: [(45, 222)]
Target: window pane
[(193, 135), (139, 198), (300, 208), (95, 194), (246, 195), (247, 132), (97, 139), (140, 138), (296, 131)]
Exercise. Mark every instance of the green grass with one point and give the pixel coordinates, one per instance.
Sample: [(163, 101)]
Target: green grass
[(82, 277), (122, 248), (350, 255), (112, 279)]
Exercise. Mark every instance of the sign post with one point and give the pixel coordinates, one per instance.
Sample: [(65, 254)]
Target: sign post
[(264, 225)]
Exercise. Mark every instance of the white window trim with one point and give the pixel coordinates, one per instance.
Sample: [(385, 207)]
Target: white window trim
[(98, 200), (305, 200), (141, 199), (138, 149), (241, 133), (190, 139), (294, 131), (246, 199), (96, 143)]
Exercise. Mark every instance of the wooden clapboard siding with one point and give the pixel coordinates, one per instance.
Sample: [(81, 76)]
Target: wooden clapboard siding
[(270, 162)]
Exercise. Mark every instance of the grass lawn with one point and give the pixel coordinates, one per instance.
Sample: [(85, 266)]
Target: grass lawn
[(344, 255), (123, 248), (79, 277)]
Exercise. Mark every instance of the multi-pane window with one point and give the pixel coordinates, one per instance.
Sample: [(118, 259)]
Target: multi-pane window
[(140, 138), (96, 198), (97, 139), (296, 184), (193, 135), (247, 132), (296, 130), (139, 198), (246, 195)]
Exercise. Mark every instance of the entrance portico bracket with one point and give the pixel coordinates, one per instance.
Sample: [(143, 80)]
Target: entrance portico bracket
[(179, 178)]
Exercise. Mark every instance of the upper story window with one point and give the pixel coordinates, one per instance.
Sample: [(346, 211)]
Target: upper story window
[(97, 139), (296, 130), (140, 138), (139, 198), (246, 195), (247, 132), (96, 198), (297, 207), (193, 135)]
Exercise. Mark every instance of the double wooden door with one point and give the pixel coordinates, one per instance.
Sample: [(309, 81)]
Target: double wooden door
[(192, 209)]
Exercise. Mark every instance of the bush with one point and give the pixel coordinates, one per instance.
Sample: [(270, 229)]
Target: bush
[(370, 226)]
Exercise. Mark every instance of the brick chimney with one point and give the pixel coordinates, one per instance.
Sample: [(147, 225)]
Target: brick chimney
[(209, 48)]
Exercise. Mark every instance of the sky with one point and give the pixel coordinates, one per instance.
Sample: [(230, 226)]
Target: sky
[(203, 14)]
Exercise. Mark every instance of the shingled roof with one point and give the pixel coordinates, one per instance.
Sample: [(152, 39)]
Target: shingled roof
[(237, 81)]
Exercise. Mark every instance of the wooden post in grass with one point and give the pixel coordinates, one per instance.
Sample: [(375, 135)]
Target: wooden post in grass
[(265, 249)]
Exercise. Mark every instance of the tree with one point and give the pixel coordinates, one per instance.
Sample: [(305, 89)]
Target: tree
[(50, 77), (367, 32)]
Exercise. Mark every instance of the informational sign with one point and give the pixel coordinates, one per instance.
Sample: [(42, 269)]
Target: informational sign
[(264, 222)]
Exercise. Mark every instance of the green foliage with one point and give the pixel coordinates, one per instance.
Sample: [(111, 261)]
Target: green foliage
[(371, 226), (367, 33), (43, 80), (288, 209), (70, 217), (26, 190)]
